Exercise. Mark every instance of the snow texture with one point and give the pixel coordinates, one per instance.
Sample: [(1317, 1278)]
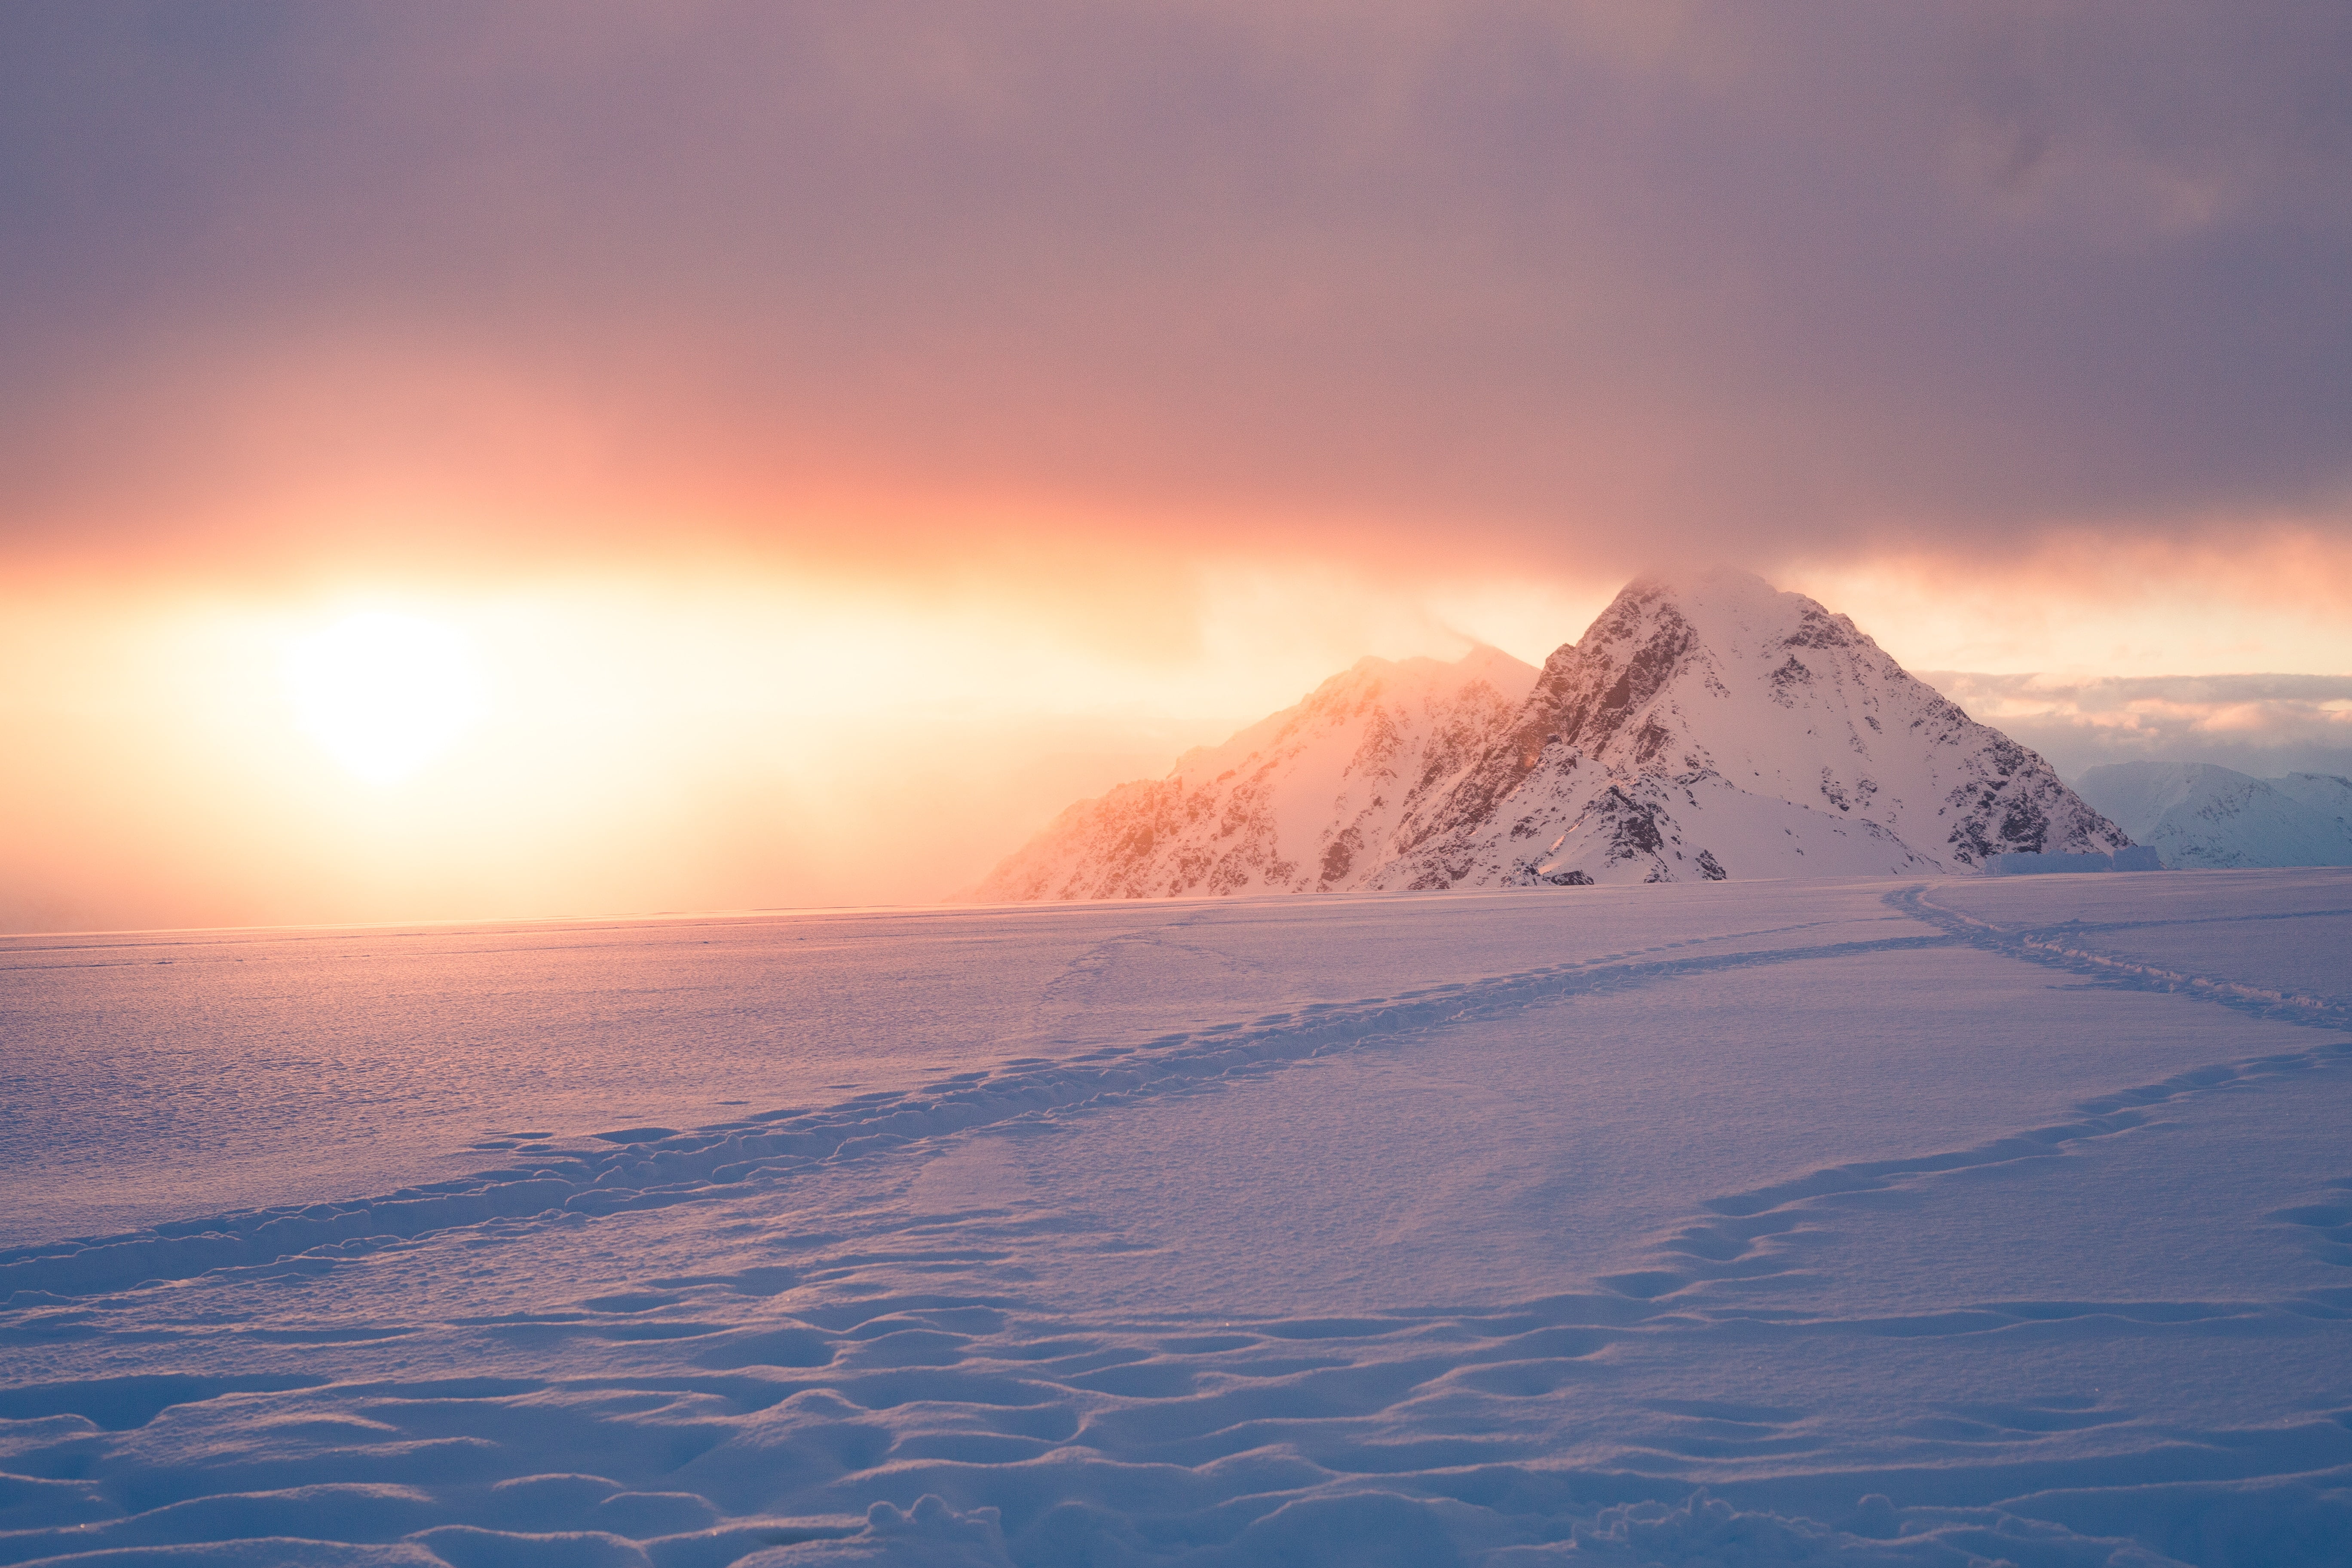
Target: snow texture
[(1703, 729), (2198, 814), (1945, 1222)]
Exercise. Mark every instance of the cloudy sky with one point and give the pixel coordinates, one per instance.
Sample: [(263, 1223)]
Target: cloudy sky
[(845, 432)]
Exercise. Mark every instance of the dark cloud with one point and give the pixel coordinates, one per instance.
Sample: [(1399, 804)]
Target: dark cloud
[(1576, 284)]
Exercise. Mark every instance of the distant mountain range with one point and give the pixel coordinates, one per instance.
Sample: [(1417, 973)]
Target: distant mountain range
[(1702, 729), (2199, 815)]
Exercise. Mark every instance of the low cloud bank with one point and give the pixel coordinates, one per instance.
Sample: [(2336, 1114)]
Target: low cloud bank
[(2260, 724)]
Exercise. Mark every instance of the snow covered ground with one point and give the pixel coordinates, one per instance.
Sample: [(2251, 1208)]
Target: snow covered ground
[(1921, 1222)]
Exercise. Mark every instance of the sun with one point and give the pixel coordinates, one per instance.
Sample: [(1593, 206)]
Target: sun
[(385, 694)]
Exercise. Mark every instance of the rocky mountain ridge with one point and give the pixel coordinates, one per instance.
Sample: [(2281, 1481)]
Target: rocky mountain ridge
[(1702, 729)]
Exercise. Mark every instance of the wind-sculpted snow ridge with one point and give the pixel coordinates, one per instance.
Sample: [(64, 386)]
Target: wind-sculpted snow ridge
[(1701, 729), (1256, 1446), (653, 1167)]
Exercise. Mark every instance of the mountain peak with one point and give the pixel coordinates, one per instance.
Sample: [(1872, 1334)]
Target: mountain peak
[(1715, 585), (1727, 609)]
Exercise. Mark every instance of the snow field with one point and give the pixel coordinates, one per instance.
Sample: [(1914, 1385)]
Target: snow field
[(2267, 935), (1775, 1223), (259, 1067)]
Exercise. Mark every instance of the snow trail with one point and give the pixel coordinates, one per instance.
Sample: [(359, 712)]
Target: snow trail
[(655, 1167), (2052, 946)]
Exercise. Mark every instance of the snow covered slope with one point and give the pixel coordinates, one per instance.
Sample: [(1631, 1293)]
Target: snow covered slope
[(1704, 729), (1308, 800), (2330, 795), (2199, 816)]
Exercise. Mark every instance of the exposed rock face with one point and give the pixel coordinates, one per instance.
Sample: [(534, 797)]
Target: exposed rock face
[(1701, 729), (1716, 728)]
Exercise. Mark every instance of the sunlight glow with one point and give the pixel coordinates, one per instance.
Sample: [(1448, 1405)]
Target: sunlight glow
[(385, 694)]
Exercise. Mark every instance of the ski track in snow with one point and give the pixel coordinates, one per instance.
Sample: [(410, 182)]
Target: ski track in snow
[(2058, 947), (690, 1348), (654, 1167)]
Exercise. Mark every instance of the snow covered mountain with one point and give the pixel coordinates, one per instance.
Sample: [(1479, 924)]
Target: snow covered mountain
[(1309, 799), (1703, 729), (1714, 728), (2196, 815)]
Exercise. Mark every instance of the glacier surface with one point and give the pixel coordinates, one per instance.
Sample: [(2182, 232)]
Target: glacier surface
[(1937, 1221)]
